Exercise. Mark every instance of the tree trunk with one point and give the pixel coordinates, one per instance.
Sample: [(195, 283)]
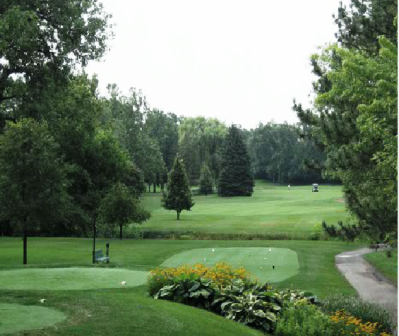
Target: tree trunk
[(149, 187), (178, 215), (94, 238), (120, 231), (25, 239), (155, 188)]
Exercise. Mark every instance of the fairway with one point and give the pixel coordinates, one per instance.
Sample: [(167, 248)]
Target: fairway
[(259, 261), (73, 278), (16, 317), (272, 209)]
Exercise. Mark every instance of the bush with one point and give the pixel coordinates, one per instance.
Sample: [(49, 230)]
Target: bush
[(358, 308), (304, 320)]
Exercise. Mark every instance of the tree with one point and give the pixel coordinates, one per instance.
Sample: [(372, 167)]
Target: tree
[(354, 119), (33, 183), (235, 177), (119, 208), (206, 181), (41, 42), (200, 142), (178, 194)]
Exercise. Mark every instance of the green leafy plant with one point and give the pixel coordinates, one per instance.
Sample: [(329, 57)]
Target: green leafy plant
[(304, 320)]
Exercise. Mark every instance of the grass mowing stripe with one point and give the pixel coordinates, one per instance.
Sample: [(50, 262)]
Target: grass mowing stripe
[(259, 261)]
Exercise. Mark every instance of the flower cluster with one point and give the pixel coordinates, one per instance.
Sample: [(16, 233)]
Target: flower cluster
[(355, 326), (221, 274)]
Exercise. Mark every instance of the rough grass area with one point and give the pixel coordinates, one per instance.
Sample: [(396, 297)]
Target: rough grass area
[(259, 261), (387, 266), (272, 209), (74, 278), (16, 317)]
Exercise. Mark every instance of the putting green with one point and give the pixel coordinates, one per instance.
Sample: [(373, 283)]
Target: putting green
[(259, 261), (70, 278), (15, 317)]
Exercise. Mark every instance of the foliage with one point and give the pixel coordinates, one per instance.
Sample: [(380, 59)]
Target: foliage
[(355, 122), (33, 183), (279, 154), (120, 208), (178, 194), (200, 142), (42, 42), (221, 274), (346, 232), (304, 320), (235, 177), (206, 181), (357, 308), (350, 325)]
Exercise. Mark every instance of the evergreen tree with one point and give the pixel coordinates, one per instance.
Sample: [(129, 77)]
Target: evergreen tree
[(235, 177), (206, 181), (178, 194)]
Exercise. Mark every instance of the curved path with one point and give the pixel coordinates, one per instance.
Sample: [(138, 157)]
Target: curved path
[(368, 282)]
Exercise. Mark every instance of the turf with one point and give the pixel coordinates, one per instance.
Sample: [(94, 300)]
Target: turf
[(387, 266), (272, 209), (16, 317), (72, 278), (259, 261)]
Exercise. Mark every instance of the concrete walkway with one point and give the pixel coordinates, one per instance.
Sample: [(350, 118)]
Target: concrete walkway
[(368, 282)]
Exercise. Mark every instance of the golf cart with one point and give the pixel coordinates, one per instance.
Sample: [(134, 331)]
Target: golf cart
[(315, 187)]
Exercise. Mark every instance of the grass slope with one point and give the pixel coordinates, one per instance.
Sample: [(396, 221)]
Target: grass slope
[(259, 261), (272, 209), (387, 266)]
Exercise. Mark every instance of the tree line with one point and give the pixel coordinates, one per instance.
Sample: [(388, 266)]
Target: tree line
[(72, 161)]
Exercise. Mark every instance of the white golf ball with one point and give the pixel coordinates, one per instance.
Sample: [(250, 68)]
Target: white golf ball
[(123, 283), (213, 250), (270, 250)]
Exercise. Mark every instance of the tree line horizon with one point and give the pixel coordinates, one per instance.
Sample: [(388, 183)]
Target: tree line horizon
[(66, 152)]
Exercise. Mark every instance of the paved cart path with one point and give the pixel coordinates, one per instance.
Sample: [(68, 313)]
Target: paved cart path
[(368, 282)]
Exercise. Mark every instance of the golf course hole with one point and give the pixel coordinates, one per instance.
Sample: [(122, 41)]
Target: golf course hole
[(15, 317), (74, 278), (259, 261)]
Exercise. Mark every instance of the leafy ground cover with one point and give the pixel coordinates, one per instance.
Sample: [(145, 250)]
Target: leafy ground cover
[(265, 264), (272, 209), (387, 266)]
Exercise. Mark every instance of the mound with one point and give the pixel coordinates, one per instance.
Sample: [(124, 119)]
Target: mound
[(259, 261), (74, 278)]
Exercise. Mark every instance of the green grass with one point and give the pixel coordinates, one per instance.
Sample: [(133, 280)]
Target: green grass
[(16, 317), (71, 278), (387, 266), (272, 209), (259, 261), (122, 311)]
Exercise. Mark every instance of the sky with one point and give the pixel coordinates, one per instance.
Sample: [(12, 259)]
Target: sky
[(242, 62)]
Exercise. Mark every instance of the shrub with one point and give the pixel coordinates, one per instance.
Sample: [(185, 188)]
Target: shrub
[(359, 309), (304, 320)]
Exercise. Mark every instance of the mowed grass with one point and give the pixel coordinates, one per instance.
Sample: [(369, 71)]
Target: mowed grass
[(387, 266), (264, 264), (129, 310), (272, 209), (16, 317)]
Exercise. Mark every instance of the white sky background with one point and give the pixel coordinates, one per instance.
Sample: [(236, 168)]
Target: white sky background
[(242, 62)]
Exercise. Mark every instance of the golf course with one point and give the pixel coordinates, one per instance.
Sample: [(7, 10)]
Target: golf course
[(83, 297)]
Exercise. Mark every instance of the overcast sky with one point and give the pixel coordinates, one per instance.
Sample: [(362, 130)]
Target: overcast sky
[(242, 62)]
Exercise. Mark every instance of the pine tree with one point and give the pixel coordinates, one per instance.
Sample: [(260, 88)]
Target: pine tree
[(235, 177), (206, 181), (178, 194)]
